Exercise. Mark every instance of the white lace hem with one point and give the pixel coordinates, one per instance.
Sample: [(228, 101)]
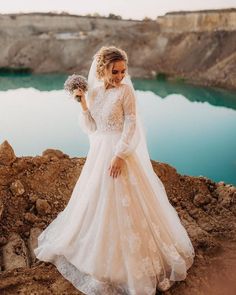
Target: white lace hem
[(89, 285)]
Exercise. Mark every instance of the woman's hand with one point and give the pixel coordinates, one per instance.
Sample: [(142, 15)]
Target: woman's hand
[(82, 100), (116, 166)]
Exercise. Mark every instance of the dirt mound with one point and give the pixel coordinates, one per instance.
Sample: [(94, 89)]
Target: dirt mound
[(33, 190)]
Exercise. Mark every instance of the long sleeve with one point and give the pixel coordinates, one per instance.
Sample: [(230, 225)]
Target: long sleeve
[(86, 121), (124, 147)]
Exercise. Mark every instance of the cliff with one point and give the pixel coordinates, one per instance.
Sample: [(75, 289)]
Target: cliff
[(198, 47), (198, 21), (33, 190)]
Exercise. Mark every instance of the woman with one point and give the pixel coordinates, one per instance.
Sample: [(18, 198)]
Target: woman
[(118, 233)]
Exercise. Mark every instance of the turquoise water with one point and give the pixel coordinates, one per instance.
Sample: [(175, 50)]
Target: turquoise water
[(191, 128)]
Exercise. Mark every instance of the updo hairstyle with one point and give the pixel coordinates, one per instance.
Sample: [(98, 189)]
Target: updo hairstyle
[(105, 56)]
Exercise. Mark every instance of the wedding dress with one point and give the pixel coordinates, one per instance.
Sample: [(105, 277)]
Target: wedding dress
[(116, 235)]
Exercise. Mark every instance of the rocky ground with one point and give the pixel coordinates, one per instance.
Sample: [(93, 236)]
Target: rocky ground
[(33, 190)]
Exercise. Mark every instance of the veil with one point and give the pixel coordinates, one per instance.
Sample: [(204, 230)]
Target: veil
[(138, 141)]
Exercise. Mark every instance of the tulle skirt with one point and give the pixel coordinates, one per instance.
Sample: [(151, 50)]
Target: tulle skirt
[(117, 235)]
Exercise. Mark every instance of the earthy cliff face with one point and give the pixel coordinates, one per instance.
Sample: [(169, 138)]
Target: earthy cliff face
[(199, 47), (64, 43), (33, 190), (198, 21)]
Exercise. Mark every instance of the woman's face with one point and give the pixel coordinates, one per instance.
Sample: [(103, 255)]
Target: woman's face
[(116, 72)]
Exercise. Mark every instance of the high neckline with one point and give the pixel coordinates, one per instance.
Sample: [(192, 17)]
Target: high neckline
[(112, 88)]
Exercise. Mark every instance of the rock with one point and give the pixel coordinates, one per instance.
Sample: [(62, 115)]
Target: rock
[(32, 241), (3, 241), (30, 217), (6, 175), (26, 234), (15, 253), (61, 286), (33, 198), (38, 160), (226, 195), (17, 188), (54, 154), (19, 223), (7, 155), (200, 199), (202, 239), (43, 206)]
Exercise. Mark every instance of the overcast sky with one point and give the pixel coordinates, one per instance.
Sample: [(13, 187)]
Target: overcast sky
[(136, 9)]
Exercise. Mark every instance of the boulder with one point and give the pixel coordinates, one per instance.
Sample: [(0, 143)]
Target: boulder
[(7, 155), (54, 154), (15, 253)]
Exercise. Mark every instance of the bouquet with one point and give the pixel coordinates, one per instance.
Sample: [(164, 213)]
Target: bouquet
[(76, 82)]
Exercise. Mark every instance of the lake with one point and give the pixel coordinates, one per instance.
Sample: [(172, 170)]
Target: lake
[(189, 127)]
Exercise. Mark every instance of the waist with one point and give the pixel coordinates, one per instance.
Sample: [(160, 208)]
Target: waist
[(108, 131)]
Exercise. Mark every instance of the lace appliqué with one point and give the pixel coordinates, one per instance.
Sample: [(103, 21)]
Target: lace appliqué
[(152, 245), (107, 110), (171, 252), (134, 242), (146, 266), (113, 110), (165, 284), (133, 179), (128, 221), (156, 229), (125, 201)]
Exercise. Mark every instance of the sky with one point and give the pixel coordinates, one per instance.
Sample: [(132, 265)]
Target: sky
[(135, 9)]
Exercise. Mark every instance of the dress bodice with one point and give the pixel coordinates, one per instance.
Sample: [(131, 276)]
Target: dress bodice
[(107, 110), (112, 110)]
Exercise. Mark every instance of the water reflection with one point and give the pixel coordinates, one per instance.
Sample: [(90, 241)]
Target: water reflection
[(193, 135), (214, 96), (47, 82)]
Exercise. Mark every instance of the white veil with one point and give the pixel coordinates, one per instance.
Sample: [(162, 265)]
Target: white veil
[(138, 141)]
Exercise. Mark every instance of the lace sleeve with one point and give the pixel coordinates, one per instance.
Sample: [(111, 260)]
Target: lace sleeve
[(123, 148), (86, 121)]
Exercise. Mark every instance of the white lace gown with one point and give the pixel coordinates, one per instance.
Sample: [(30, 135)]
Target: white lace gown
[(116, 235)]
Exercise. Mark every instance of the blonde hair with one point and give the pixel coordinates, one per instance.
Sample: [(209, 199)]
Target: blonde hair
[(107, 55)]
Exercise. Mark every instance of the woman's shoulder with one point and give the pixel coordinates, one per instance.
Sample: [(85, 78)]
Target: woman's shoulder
[(123, 90), (126, 87), (127, 90), (95, 92), (97, 89)]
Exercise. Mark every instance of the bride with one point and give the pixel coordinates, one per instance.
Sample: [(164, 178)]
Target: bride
[(118, 234)]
